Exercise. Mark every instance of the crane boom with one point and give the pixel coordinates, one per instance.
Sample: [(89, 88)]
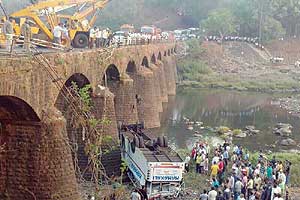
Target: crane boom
[(50, 9)]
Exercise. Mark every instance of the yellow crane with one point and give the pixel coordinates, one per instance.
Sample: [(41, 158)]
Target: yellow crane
[(45, 15)]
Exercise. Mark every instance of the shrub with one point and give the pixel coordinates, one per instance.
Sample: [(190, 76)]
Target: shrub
[(237, 131), (223, 129)]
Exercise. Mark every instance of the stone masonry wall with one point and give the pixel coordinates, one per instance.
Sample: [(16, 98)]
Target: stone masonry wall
[(162, 81), (39, 160), (125, 101), (156, 83), (37, 163)]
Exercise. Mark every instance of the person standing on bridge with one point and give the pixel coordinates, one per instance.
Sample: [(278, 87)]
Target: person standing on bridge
[(98, 37), (57, 33), (8, 31), (26, 33), (93, 32)]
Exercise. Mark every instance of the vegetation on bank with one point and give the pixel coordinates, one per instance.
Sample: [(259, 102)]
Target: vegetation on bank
[(194, 71)]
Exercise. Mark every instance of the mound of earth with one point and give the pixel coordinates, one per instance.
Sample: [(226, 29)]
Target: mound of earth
[(289, 49), (242, 66)]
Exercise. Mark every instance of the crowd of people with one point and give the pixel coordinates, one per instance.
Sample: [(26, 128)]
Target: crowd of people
[(250, 40), (233, 176)]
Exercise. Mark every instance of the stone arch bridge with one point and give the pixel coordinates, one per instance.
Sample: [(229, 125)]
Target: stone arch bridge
[(129, 84)]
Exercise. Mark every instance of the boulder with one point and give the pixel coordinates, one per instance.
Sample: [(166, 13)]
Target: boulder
[(288, 142), (283, 129), (283, 125), (250, 128), (241, 135)]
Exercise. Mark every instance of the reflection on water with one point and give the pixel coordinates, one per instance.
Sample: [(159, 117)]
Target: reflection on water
[(225, 108)]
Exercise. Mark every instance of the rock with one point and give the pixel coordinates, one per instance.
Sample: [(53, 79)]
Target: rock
[(283, 129), (228, 133), (241, 135), (283, 125), (250, 128), (198, 135), (199, 123), (255, 131), (288, 142)]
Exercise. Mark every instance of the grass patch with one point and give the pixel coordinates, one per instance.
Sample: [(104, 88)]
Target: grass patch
[(236, 131)]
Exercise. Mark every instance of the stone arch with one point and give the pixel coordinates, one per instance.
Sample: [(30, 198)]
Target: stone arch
[(165, 53), (15, 109), (145, 62), (131, 67), (153, 59), (123, 91), (159, 56), (169, 52), (75, 132), (111, 74), (19, 125)]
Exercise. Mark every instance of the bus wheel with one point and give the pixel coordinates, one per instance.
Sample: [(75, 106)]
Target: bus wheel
[(81, 40), (34, 1), (165, 141), (160, 141)]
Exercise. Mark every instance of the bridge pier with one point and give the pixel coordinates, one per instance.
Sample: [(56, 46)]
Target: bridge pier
[(146, 99), (156, 82), (162, 80), (125, 101), (104, 99), (170, 70), (36, 162)]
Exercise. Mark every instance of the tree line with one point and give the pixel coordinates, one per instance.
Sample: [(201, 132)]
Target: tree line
[(250, 18)]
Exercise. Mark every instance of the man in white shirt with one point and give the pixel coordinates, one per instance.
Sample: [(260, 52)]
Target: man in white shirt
[(98, 37), (135, 195), (212, 194), (105, 37), (92, 37), (57, 33)]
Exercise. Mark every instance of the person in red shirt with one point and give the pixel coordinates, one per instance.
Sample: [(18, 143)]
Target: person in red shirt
[(221, 165), (221, 170), (194, 152)]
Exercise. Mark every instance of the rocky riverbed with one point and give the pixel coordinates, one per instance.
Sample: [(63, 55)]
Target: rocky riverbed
[(291, 104)]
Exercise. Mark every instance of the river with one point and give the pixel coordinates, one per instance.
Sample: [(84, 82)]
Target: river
[(233, 109)]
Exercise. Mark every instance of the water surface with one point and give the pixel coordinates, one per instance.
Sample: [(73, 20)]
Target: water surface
[(233, 109)]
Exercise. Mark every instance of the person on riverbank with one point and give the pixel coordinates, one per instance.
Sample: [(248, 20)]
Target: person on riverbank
[(261, 180), (214, 170), (204, 195), (135, 195), (212, 194)]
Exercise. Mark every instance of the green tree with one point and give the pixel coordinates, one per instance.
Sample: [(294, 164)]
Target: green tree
[(288, 13), (272, 29), (246, 17), (220, 21)]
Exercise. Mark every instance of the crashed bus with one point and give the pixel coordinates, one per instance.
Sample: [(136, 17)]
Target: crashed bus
[(152, 164)]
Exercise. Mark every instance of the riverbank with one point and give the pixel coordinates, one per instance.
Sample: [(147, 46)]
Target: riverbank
[(235, 66), (291, 104), (196, 183)]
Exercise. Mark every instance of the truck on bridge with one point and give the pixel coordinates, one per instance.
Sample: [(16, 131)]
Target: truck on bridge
[(152, 165), (45, 15)]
